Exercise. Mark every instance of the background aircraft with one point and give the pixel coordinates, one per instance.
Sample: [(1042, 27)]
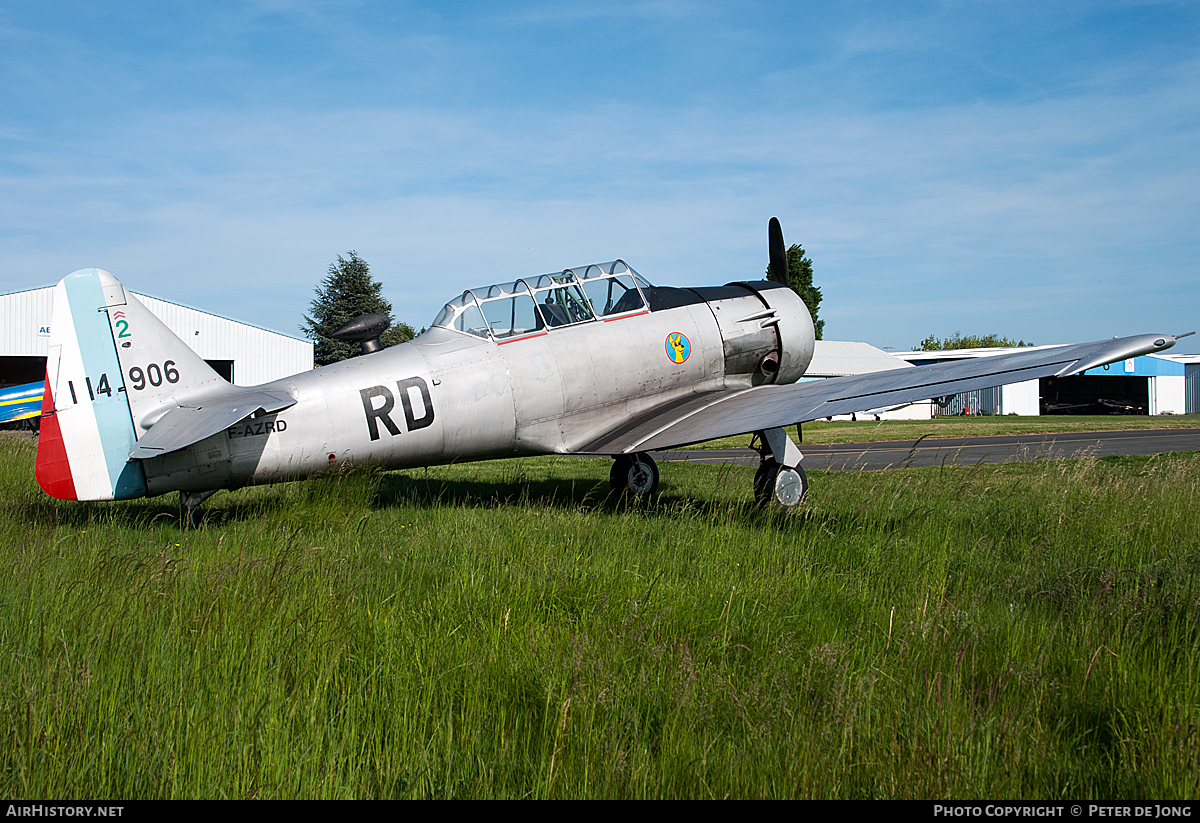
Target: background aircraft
[(591, 361), (21, 402)]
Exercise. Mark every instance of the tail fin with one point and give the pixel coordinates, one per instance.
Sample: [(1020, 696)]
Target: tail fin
[(113, 368)]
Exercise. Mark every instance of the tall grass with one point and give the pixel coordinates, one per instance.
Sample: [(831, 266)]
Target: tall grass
[(508, 630)]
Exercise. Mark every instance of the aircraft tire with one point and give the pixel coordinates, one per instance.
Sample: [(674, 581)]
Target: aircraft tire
[(634, 474), (778, 486)]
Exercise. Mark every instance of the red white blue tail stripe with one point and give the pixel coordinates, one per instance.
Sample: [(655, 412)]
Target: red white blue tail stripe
[(87, 427)]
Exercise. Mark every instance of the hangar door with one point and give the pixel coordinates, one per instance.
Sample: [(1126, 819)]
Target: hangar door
[(17, 371), (1095, 394)]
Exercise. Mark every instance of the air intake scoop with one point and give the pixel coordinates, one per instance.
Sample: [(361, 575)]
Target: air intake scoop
[(364, 329)]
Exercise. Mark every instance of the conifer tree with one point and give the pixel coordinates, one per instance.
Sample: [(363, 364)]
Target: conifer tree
[(344, 294)]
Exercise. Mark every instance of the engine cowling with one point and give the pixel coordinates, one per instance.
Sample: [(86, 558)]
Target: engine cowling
[(766, 329), (797, 337)]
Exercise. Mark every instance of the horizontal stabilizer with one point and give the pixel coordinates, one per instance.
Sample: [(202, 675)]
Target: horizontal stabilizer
[(765, 407), (183, 426)]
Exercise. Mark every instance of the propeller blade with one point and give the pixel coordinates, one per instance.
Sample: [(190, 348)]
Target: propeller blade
[(779, 266)]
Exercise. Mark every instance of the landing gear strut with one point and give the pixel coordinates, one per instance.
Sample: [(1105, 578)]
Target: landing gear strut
[(635, 474), (780, 482), (189, 508)]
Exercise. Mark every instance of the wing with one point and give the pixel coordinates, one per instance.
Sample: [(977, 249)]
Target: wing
[(184, 425), (765, 407)]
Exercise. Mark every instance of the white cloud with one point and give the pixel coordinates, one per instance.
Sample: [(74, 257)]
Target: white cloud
[(1054, 214)]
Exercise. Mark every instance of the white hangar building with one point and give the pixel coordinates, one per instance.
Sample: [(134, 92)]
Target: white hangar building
[(243, 354), (838, 358), (1150, 384)]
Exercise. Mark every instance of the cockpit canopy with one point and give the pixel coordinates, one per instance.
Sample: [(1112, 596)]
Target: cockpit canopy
[(534, 304)]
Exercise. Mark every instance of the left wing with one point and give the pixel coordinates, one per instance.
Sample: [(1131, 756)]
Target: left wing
[(766, 407)]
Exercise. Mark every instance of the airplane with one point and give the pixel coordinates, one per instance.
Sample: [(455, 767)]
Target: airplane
[(592, 360), (20, 402)]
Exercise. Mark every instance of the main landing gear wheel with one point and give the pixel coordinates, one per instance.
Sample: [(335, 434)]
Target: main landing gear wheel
[(778, 486), (635, 474)]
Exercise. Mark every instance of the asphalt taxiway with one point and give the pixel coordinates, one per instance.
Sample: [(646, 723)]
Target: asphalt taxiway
[(962, 451)]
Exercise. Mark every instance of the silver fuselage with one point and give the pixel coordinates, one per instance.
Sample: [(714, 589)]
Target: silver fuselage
[(450, 397)]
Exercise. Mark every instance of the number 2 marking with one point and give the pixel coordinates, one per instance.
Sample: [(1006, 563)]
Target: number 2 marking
[(123, 327)]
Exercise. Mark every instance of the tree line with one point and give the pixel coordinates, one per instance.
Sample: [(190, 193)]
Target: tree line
[(972, 341)]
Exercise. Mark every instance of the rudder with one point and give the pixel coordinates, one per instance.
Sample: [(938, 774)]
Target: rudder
[(113, 368)]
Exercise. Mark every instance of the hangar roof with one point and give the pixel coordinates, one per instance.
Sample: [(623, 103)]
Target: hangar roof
[(1147, 365), (961, 354), (261, 355), (834, 358)]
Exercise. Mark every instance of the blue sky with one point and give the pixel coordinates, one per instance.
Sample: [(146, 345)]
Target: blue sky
[(1027, 169)]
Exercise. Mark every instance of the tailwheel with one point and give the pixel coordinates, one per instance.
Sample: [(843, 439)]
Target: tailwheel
[(780, 487), (635, 474), (190, 515)]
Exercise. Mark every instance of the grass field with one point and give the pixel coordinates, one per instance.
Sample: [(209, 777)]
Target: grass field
[(507, 630), (821, 432)]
